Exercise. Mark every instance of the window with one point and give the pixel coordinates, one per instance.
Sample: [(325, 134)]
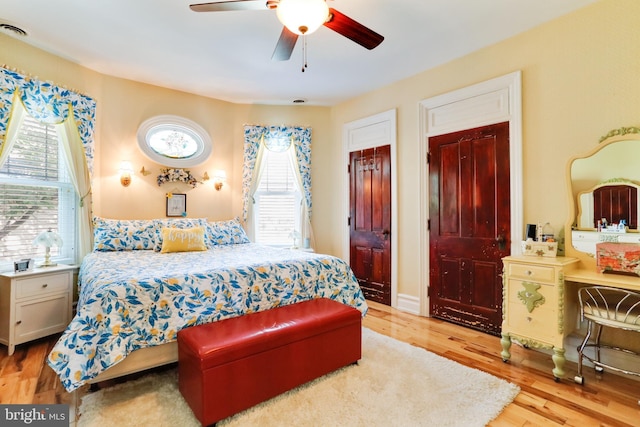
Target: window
[(36, 194), (277, 200), (174, 141)]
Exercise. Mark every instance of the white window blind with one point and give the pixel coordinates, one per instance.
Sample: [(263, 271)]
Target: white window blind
[(36, 194), (277, 201)]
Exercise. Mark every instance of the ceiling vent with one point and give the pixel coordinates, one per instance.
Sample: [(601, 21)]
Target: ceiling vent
[(11, 28)]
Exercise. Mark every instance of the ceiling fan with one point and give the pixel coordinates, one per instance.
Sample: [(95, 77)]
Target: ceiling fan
[(299, 17)]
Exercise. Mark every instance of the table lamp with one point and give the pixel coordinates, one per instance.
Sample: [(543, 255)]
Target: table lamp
[(48, 239)]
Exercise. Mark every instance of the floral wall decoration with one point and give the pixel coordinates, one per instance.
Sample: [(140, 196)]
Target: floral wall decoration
[(177, 175)]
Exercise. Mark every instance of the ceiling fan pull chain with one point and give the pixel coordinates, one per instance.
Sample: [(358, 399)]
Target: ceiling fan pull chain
[(304, 52)]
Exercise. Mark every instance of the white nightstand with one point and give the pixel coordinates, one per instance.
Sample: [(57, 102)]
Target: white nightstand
[(34, 304)]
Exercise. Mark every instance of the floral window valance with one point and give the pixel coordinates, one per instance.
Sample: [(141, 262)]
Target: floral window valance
[(47, 103)]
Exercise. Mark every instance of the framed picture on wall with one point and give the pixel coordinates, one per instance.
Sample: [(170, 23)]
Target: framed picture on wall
[(176, 204)]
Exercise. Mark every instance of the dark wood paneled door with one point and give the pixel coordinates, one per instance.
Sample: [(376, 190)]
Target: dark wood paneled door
[(470, 217), (615, 203), (370, 221)]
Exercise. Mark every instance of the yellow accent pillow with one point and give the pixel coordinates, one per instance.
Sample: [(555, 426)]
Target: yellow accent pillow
[(183, 239)]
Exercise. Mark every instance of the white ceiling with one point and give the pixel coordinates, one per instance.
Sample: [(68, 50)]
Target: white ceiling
[(227, 55)]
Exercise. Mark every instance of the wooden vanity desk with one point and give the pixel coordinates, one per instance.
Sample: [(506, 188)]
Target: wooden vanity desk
[(540, 303), (540, 294), (609, 168)]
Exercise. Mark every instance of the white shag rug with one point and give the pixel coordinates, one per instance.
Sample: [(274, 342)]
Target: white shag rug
[(394, 384)]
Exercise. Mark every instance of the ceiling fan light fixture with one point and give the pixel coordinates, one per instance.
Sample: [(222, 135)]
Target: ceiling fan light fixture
[(302, 16)]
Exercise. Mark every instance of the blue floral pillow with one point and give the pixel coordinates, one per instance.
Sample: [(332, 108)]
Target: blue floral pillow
[(228, 232), (176, 223), (123, 235)]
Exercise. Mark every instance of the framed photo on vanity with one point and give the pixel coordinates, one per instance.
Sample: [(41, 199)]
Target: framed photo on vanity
[(176, 204)]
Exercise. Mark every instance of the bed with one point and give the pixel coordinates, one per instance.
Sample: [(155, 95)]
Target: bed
[(134, 296)]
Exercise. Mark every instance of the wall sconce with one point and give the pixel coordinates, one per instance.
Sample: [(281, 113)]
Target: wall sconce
[(205, 178), (125, 173), (144, 172), (219, 178)]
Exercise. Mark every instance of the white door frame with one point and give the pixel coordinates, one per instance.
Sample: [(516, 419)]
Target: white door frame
[(369, 132), (493, 101)]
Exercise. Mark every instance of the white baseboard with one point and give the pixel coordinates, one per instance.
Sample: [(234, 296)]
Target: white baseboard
[(409, 304)]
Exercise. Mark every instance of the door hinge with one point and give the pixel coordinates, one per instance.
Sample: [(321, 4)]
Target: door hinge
[(349, 221), (428, 224), (428, 157), (349, 168)]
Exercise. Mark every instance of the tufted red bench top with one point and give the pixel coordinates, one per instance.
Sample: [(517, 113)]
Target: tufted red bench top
[(227, 340)]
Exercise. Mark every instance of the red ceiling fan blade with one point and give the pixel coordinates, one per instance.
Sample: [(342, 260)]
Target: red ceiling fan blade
[(353, 30), (285, 45), (221, 6)]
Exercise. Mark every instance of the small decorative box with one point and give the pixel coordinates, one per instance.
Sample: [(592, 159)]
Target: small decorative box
[(545, 249), (618, 257)]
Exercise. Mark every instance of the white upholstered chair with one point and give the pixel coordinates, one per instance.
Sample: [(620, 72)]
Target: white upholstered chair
[(605, 307)]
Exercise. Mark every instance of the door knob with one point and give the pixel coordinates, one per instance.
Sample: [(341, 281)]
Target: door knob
[(502, 241), (386, 233)]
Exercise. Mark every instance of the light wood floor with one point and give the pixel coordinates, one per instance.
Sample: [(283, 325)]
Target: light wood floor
[(611, 400)]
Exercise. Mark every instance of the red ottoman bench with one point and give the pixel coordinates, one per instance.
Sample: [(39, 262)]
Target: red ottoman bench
[(228, 366)]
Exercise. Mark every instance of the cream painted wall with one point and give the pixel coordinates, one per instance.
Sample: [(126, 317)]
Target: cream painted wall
[(581, 79), (123, 104)]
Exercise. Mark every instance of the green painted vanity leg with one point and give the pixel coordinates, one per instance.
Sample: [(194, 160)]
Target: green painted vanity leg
[(558, 361), (506, 345)]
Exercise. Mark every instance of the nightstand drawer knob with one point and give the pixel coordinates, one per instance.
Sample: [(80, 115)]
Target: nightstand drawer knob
[(528, 272), (529, 319), (18, 322), (45, 285)]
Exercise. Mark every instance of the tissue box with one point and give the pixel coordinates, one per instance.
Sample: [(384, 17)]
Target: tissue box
[(618, 257), (545, 249)]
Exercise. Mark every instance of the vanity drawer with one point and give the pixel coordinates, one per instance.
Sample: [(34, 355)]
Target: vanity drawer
[(529, 289), (42, 284), (541, 324), (538, 273)]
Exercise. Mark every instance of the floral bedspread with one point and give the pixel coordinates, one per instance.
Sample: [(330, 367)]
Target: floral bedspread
[(134, 299)]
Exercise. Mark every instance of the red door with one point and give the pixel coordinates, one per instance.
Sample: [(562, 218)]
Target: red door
[(370, 221), (615, 203), (469, 213)]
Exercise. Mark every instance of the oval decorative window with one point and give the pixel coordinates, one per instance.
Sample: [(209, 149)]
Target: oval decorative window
[(174, 141)]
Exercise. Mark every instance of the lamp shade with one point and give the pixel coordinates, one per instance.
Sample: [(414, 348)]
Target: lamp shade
[(302, 16), (220, 176), (126, 167), (48, 239)]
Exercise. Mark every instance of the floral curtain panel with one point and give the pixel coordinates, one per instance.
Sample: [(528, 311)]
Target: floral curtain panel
[(72, 113), (277, 138)]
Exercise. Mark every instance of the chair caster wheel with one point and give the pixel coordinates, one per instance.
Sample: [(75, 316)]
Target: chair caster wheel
[(579, 380), (556, 379), (599, 369)]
